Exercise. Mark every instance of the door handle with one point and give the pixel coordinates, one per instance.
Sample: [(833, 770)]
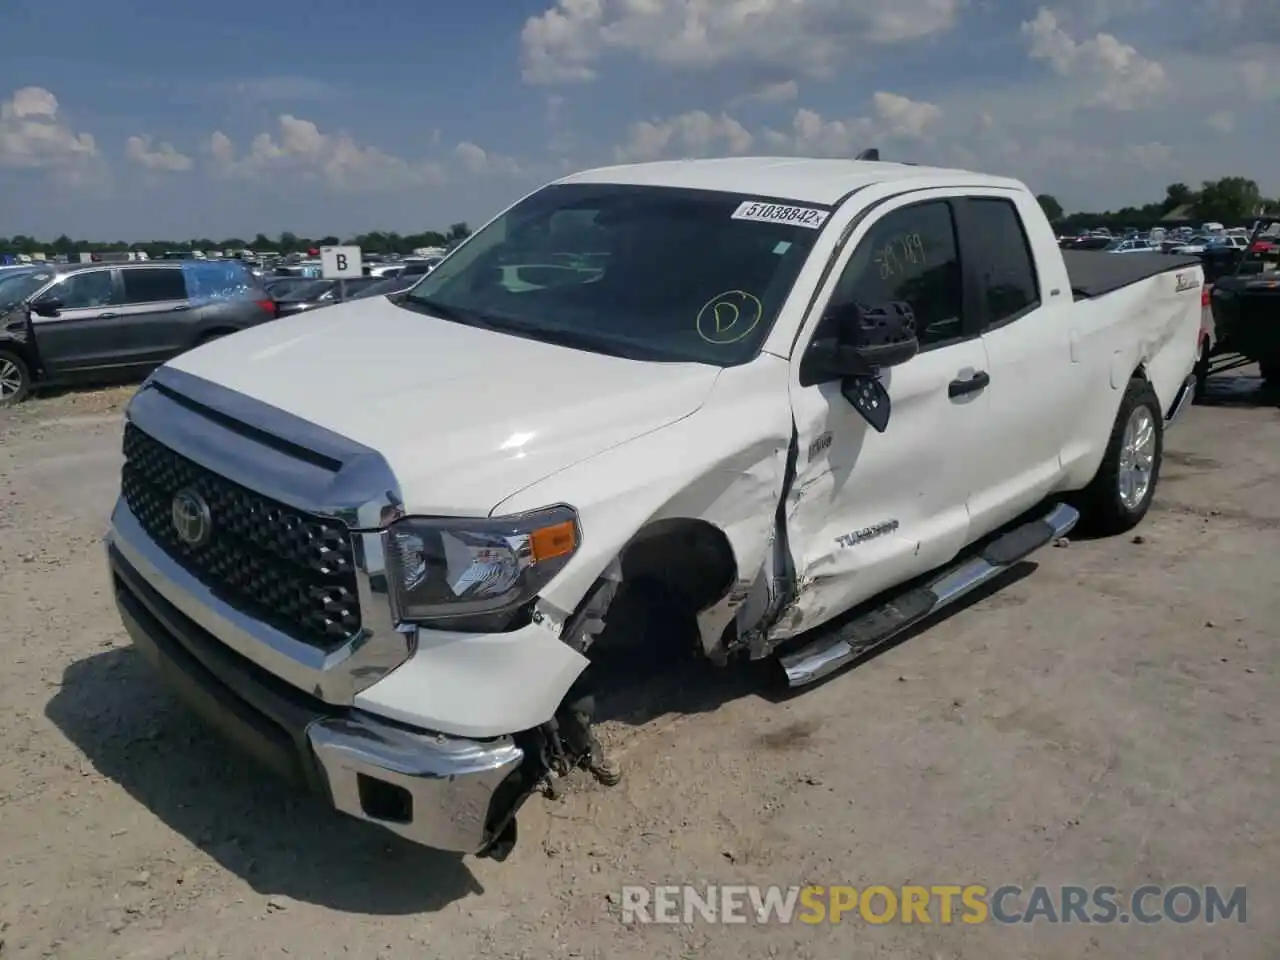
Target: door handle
[(107, 316), (960, 388), (182, 306)]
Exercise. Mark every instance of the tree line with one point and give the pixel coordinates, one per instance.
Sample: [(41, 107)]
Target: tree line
[(288, 242), (1231, 201)]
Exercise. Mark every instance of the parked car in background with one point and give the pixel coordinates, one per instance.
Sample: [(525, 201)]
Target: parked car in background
[(419, 268), (1131, 245), (385, 287), (97, 322), (320, 293), (280, 287), (1246, 309)]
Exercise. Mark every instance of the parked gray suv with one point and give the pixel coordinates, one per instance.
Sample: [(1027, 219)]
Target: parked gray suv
[(78, 323)]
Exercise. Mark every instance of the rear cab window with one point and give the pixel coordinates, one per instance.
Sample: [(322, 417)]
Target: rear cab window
[(998, 257)]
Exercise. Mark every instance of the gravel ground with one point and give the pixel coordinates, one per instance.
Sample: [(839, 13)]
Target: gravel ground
[(1110, 718)]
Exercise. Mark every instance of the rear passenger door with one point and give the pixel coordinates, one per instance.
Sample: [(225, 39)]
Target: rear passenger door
[(156, 314), (1027, 337)]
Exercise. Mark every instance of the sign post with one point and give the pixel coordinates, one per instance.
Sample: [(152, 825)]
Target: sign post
[(341, 264)]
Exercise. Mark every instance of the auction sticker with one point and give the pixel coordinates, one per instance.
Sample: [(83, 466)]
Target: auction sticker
[(761, 212)]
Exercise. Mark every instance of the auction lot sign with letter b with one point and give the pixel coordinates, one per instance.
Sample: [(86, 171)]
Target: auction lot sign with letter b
[(341, 263)]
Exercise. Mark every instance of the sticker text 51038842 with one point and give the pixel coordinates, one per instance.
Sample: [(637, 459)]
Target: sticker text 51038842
[(762, 212)]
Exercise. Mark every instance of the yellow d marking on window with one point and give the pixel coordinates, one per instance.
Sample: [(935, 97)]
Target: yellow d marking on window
[(729, 317)]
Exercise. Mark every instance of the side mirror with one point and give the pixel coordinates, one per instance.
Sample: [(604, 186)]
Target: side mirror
[(46, 306), (864, 339)]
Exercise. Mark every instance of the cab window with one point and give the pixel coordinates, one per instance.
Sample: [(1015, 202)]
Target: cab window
[(910, 255)]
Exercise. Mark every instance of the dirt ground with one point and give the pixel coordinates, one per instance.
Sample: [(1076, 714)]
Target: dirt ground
[(1110, 718)]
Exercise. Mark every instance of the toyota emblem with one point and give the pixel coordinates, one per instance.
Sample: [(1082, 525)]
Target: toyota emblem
[(192, 521)]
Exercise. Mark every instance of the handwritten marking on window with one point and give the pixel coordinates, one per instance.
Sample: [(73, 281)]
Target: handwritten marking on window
[(899, 253), (729, 317)]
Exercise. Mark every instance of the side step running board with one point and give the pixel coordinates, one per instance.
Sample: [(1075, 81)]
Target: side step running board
[(860, 636), (1185, 393)]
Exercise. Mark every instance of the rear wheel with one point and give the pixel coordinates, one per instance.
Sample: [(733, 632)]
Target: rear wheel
[(15, 379), (1120, 493)]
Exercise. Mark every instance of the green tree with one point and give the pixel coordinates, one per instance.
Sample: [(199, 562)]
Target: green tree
[(458, 231), (1229, 200), (1177, 195), (1051, 207)]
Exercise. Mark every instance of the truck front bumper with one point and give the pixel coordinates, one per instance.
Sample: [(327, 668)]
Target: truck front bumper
[(445, 792)]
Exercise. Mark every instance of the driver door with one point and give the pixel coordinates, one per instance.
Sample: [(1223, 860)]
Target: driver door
[(869, 510)]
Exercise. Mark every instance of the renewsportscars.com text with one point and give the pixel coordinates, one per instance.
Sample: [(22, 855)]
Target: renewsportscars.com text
[(938, 904)]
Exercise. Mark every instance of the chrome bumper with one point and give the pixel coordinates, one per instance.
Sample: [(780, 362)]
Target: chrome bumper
[(439, 791), (429, 788)]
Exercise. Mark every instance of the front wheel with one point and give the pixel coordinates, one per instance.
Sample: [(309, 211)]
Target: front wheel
[(15, 379), (1120, 493)]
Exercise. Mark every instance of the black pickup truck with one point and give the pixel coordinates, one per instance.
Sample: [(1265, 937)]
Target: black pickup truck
[(91, 322), (1246, 309)]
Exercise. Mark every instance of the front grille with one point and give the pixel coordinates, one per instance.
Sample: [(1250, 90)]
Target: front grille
[(292, 570)]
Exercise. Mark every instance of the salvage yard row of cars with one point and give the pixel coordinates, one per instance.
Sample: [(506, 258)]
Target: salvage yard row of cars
[(89, 322), (761, 408)]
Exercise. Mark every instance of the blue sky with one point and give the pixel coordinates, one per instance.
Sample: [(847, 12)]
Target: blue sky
[(133, 120)]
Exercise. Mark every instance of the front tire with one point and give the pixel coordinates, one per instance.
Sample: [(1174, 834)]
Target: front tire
[(15, 379), (1120, 493)]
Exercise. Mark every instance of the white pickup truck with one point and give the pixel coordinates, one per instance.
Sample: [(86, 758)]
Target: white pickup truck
[(777, 407)]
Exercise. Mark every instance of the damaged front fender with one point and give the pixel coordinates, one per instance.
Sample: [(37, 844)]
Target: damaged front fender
[(723, 466)]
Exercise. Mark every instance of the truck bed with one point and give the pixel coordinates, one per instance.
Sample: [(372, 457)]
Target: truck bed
[(1094, 273)]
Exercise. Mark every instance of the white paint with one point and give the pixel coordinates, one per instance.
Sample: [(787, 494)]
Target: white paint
[(341, 263), (525, 674), (477, 423)]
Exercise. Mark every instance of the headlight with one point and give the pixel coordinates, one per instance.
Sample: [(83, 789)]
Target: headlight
[(475, 573)]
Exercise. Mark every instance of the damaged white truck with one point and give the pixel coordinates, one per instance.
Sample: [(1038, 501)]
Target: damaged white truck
[(792, 405)]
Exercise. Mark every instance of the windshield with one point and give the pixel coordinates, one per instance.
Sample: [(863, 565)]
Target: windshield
[(16, 287), (651, 273)]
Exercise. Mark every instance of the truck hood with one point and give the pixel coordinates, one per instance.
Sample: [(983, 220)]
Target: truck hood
[(465, 417)]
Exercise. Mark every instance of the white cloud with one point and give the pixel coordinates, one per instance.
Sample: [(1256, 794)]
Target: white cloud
[(783, 92), (811, 135), (904, 117), (300, 148), (566, 42), (696, 134), (1120, 76), (161, 156), (1224, 121), (480, 162), (1261, 79), (32, 136), (892, 116)]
